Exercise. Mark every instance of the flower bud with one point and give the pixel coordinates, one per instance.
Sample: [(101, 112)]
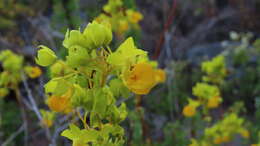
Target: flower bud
[(97, 35), (45, 56)]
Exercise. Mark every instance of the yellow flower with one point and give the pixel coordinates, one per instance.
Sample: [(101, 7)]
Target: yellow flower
[(33, 72), (245, 133), (217, 140), (189, 111), (134, 17), (214, 102), (142, 78), (225, 139), (47, 122), (123, 27), (60, 103)]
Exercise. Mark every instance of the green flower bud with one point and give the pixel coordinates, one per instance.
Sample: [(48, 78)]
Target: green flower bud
[(45, 56), (75, 37), (97, 35), (77, 56)]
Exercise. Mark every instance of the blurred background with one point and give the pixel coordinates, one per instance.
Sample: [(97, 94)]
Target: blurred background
[(179, 34)]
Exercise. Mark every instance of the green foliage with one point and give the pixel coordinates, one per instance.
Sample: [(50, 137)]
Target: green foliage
[(174, 134), (96, 137), (223, 131), (9, 120), (65, 14), (10, 11), (205, 91)]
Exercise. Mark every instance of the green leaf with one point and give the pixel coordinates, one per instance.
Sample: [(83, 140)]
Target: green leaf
[(82, 97), (111, 129), (100, 102), (94, 120), (123, 111), (118, 88), (80, 136), (71, 133), (50, 86), (90, 135), (57, 86), (117, 114)]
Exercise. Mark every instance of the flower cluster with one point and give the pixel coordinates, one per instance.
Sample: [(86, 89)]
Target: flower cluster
[(13, 68), (121, 19), (223, 131), (207, 95), (92, 77), (215, 69)]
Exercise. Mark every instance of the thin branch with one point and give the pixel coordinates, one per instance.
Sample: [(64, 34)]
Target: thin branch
[(14, 135), (166, 28), (33, 104), (31, 99)]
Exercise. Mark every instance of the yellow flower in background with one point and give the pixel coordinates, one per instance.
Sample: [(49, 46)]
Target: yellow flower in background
[(123, 27), (60, 103), (134, 16), (189, 111), (225, 139), (33, 71), (47, 123), (217, 140), (245, 133), (142, 78), (213, 102)]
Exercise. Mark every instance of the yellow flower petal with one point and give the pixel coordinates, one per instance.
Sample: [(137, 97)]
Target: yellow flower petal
[(225, 139), (217, 140), (245, 133), (60, 103), (34, 72), (189, 111), (141, 78), (135, 17)]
